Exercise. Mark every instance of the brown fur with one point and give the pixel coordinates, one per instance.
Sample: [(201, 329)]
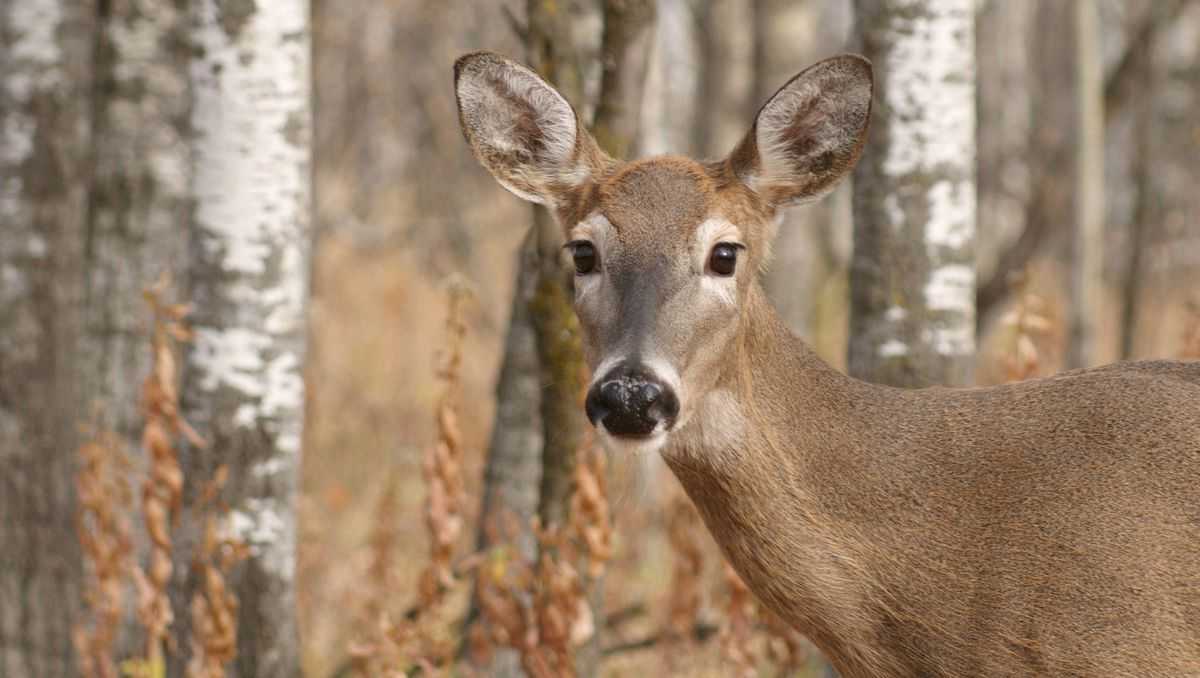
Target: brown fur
[(1050, 527)]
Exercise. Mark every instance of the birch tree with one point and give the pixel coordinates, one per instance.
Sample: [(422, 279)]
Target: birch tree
[(249, 282), (912, 280), (45, 50)]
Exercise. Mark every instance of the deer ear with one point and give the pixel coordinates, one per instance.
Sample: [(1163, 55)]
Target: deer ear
[(521, 129), (809, 134)]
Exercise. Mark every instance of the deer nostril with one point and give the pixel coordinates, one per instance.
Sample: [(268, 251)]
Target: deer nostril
[(603, 400), (650, 393), (614, 395)]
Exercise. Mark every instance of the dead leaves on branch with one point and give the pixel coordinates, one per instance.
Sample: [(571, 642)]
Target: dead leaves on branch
[(105, 532), (105, 535)]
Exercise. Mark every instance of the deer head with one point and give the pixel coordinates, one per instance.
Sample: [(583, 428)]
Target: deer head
[(666, 250)]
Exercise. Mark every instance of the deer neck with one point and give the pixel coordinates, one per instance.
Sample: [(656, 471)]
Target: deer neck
[(765, 458)]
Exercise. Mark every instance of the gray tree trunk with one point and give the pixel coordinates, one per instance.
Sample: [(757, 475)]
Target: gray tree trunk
[(139, 210), (513, 469), (249, 270), (1088, 237), (668, 111), (45, 105), (912, 281)]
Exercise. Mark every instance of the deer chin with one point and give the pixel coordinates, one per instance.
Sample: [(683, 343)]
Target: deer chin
[(636, 446)]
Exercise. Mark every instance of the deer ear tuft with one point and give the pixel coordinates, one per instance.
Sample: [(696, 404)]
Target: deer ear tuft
[(521, 129), (809, 135)]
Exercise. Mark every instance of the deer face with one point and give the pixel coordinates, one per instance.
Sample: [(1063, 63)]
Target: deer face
[(665, 250)]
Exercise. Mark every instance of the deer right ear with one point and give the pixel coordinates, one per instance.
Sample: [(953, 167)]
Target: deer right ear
[(521, 129), (808, 135)]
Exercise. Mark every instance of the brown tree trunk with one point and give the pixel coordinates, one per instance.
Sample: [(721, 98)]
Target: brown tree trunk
[(45, 105), (564, 63)]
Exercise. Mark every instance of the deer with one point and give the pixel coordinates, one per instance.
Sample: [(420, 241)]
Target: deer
[(1046, 527)]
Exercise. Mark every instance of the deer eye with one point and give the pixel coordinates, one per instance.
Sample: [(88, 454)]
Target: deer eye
[(584, 254), (723, 260)]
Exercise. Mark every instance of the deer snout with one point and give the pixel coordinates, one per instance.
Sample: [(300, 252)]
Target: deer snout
[(631, 403)]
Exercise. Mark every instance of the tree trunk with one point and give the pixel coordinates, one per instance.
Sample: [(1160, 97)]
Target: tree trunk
[(139, 211), (560, 354), (244, 389), (668, 111), (1141, 56), (1088, 237), (513, 470), (45, 55), (912, 281)]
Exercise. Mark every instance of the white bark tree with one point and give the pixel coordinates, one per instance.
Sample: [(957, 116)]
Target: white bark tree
[(249, 276), (45, 56), (913, 272)]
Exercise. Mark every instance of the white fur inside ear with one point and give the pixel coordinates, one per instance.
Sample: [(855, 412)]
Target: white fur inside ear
[(774, 144), (501, 99)]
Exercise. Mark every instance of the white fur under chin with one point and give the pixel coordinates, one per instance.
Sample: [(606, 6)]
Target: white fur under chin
[(649, 445)]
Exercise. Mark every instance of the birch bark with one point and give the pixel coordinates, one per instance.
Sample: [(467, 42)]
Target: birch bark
[(912, 280), (249, 276), (45, 50)]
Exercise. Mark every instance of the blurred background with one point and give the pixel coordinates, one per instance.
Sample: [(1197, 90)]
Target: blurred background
[(116, 150)]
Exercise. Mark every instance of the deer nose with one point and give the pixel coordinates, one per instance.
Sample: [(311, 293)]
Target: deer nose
[(631, 404)]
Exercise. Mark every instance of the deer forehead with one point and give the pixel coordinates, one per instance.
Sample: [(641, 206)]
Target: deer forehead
[(663, 203)]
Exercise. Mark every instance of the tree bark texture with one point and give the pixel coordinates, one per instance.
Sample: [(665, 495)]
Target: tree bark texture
[(137, 226), (512, 472), (912, 282), (250, 255), (1087, 251), (563, 63), (45, 57)]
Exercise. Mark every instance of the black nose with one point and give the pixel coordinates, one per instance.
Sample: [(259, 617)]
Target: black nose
[(630, 402)]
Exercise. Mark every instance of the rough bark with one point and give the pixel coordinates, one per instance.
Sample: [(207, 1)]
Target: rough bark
[(912, 319), (249, 278), (513, 469), (45, 58), (560, 353), (1088, 236), (139, 210), (624, 59)]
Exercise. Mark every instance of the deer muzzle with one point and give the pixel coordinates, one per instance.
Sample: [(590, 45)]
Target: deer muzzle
[(631, 402)]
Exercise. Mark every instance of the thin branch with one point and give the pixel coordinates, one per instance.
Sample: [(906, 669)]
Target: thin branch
[(1119, 85)]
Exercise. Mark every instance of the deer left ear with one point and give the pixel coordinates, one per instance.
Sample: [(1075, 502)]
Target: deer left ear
[(522, 130), (809, 134)]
